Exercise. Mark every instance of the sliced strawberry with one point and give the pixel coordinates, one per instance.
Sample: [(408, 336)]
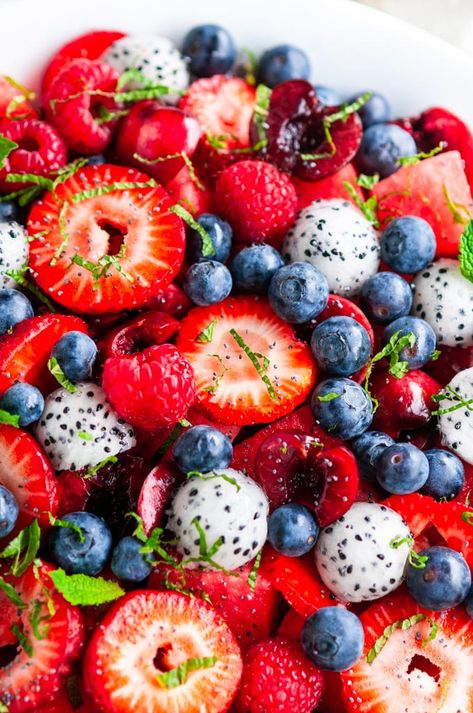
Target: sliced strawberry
[(425, 677), (327, 188), (25, 352), (27, 473), (148, 633), (229, 385), (64, 703), (156, 493), (13, 101), (134, 227)]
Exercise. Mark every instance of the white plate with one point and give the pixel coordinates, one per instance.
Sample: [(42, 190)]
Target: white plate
[(352, 47)]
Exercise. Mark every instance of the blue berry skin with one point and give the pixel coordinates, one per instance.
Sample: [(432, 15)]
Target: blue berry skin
[(419, 354), (8, 511), (446, 474), (328, 96), (340, 345), (367, 450), (253, 268), (402, 469), (96, 160), (210, 49), (333, 638), (281, 63), (207, 282), (381, 148), (298, 292), (385, 297), (346, 416), (469, 603), (443, 583), (376, 110), (202, 449), (14, 308), (128, 563), (408, 244), (25, 401), (9, 211), (292, 530), (76, 557), (76, 354), (220, 234)]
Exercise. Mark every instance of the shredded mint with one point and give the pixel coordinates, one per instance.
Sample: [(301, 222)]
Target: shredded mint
[(402, 624), (21, 279), (10, 419), (218, 141), (467, 517), (57, 522), (418, 157), (466, 252), (459, 211), (100, 269), (24, 96), (263, 98), (62, 222), (206, 553), (6, 147), (391, 350), (254, 571), (138, 95), (82, 590), (85, 436), (449, 393), (206, 335), (247, 64), (254, 357), (178, 676), (56, 370), (36, 620), (132, 75), (23, 549), (105, 189), (415, 560), (12, 594), (367, 182), (182, 155), (214, 476), (208, 248), (367, 207), (217, 378), (94, 469), (104, 115), (22, 640), (329, 397)]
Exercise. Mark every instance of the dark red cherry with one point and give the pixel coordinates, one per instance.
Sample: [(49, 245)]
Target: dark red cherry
[(145, 330)]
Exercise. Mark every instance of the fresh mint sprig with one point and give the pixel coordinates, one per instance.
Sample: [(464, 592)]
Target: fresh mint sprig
[(391, 351), (56, 370), (466, 252), (82, 590), (23, 549)]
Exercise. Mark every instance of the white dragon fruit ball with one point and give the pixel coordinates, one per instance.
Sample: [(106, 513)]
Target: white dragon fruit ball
[(456, 427), (355, 556), (81, 429), (335, 236), (13, 251), (444, 298), (226, 503)]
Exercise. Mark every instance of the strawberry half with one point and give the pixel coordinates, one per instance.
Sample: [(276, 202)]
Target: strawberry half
[(148, 633), (251, 369), (111, 251), (426, 677)]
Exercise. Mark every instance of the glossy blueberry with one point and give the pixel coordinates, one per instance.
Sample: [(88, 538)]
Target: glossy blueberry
[(292, 530), (375, 111), (253, 268), (446, 474), (23, 400), (81, 557), (281, 63), (340, 345), (14, 308), (408, 244), (381, 148), (207, 282), (8, 511), (402, 469), (443, 583), (96, 160), (220, 234), (328, 96), (425, 340), (202, 449), (210, 50), (367, 449), (385, 297), (9, 211), (342, 408), (76, 353), (333, 638), (128, 563), (298, 292)]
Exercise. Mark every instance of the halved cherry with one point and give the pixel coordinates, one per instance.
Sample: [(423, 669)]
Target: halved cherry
[(143, 331), (156, 493), (331, 481), (171, 300), (280, 467)]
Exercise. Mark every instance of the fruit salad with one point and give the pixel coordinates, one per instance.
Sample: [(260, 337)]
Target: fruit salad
[(236, 388)]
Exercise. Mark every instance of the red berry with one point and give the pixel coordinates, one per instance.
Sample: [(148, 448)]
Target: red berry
[(150, 389), (171, 300), (259, 201), (450, 362), (192, 194), (145, 330), (327, 188), (156, 493)]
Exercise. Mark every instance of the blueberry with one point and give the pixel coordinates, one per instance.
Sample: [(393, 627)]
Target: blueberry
[(367, 449), (76, 353), (9, 211), (446, 474), (210, 50), (97, 160), (292, 530), (340, 345), (128, 563), (328, 96), (202, 449), (333, 638), (81, 557), (298, 292), (220, 234), (281, 63), (8, 511), (443, 583), (253, 268), (408, 244), (25, 401), (425, 340), (375, 111), (342, 408), (207, 282), (381, 148), (386, 296), (402, 469), (14, 308)]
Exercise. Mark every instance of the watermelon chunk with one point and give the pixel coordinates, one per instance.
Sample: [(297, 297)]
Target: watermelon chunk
[(326, 188)]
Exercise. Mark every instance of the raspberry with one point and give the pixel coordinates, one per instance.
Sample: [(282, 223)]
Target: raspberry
[(259, 201), (151, 389)]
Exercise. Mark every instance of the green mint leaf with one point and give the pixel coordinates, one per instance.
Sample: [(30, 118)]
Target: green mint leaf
[(467, 517), (206, 553), (55, 369), (85, 436), (6, 147), (368, 208), (432, 634), (263, 98), (137, 95), (172, 438), (435, 355), (20, 279), (214, 476), (57, 522), (43, 183), (105, 189), (254, 358), (12, 594), (367, 181), (459, 211), (139, 531), (185, 423), (218, 141), (22, 640), (132, 75), (254, 571), (391, 351), (104, 115), (458, 401), (10, 419), (82, 590), (208, 248), (329, 397), (36, 620), (206, 335), (94, 469), (418, 157), (247, 64), (23, 548), (466, 252), (62, 221), (182, 155), (177, 676), (402, 624)]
